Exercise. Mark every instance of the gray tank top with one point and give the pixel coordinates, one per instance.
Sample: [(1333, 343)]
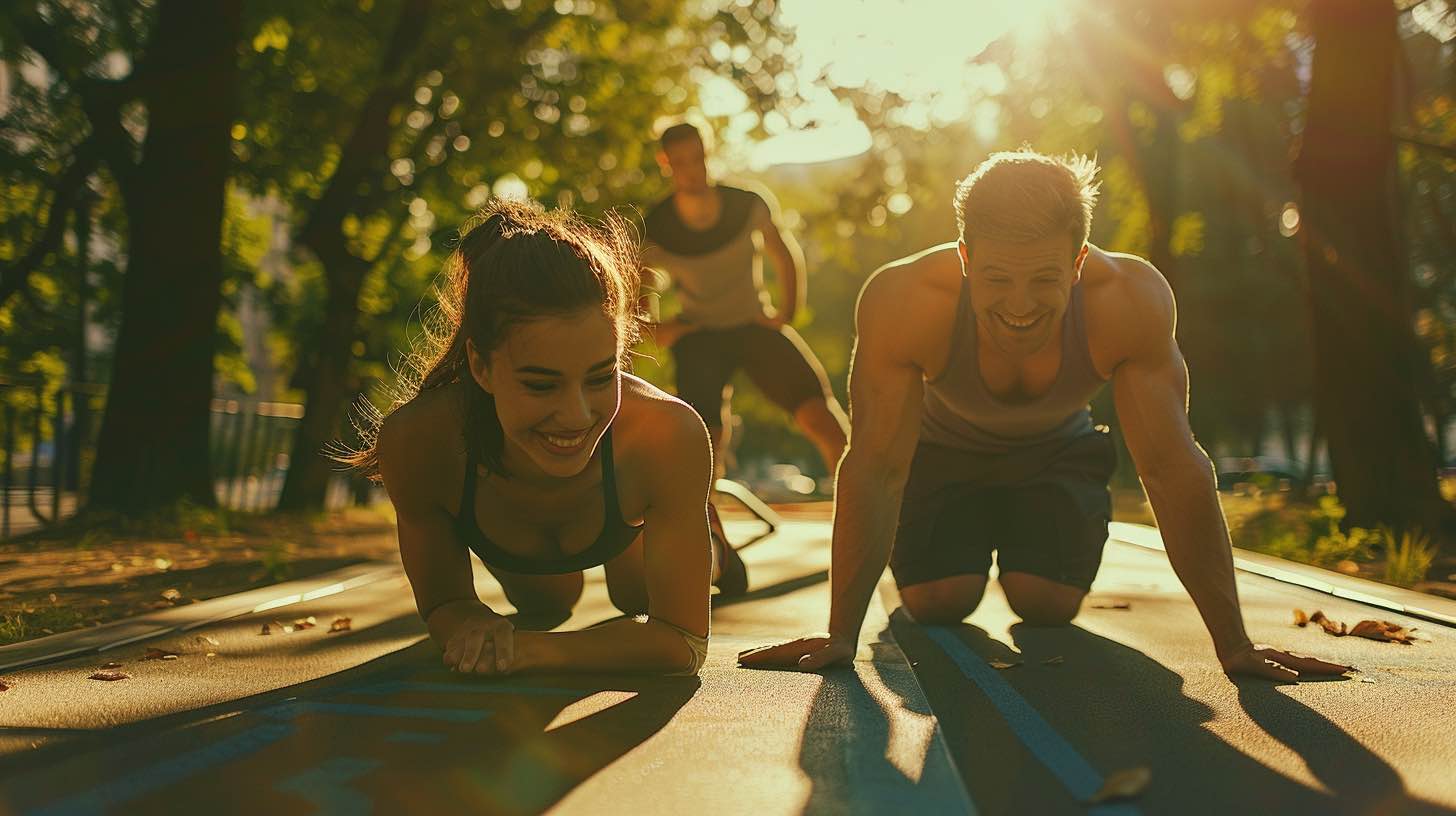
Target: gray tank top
[(718, 272), (960, 412)]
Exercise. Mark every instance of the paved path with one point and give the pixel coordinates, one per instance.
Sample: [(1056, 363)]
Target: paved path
[(365, 720)]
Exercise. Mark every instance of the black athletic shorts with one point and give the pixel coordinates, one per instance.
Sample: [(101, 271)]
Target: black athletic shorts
[(778, 362), (1042, 510)]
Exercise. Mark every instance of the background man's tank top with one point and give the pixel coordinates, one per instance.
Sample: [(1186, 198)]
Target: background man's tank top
[(717, 272)]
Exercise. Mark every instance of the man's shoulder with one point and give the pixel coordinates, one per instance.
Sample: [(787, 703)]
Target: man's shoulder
[(1127, 283), (1130, 305), (932, 275)]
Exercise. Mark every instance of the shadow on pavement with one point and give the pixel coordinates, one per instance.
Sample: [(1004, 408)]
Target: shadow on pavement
[(396, 735), (1121, 709), (852, 758)]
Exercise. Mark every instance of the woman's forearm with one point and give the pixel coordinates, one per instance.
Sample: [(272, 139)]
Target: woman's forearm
[(622, 645)]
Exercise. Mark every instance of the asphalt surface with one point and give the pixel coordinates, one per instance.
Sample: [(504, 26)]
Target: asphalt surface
[(365, 720)]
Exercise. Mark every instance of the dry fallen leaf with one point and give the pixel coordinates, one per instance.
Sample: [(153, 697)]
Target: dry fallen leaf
[(206, 639), (154, 653), (1054, 661), (305, 623), (52, 596), (3, 687), (211, 654), (1300, 619), (162, 564), (1333, 627), (1128, 783), (1111, 605), (285, 628), (341, 625), (1001, 664), (171, 595), (1367, 680), (1382, 630), (110, 676), (266, 630)]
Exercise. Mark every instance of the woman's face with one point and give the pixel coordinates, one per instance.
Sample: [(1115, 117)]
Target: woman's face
[(557, 387)]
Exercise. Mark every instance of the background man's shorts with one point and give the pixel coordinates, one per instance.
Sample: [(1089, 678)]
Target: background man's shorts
[(778, 362), (1050, 521)]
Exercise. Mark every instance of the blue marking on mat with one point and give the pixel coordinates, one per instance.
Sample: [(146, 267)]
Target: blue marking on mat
[(1075, 773), (396, 686), (294, 708), (108, 795), (326, 786)]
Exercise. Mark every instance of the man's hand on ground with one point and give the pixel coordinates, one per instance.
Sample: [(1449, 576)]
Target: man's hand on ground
[(1272, 664), (804, 654)]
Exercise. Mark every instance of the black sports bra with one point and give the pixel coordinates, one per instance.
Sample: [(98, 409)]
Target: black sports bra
[(616, 535)]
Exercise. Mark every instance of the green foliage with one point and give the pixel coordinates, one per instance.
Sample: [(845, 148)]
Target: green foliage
[(1308, 534), (1408, 560)]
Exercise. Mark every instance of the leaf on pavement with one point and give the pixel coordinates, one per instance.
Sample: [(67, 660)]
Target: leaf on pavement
[(1054, 661), (1333, 627), (1300, 619), (109, 676), (206, 640), (267, 630), (285, 628), (305, 623), (1381, 630), (171, 595), (154, 653), (341, 624), (1001, 664), (1111, 605), (3, 687), (1128, 783)]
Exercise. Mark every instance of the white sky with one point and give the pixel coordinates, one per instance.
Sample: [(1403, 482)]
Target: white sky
[(917, 48)]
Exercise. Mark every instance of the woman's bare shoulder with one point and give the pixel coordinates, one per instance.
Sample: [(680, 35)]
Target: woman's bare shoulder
[(420, 446)]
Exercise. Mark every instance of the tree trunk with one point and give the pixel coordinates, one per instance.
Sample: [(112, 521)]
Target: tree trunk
[(354, 189), (1366, 356), (329, 384), (153, 445)]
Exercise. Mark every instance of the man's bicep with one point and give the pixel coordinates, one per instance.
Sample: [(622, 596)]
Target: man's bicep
[(885, 394), (1151, 394)]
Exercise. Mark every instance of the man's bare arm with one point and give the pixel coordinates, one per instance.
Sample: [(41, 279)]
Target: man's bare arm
[(788, 262), (1151, 392), (885, 388)]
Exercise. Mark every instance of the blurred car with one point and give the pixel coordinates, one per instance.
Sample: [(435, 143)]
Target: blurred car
[(1267, 474)]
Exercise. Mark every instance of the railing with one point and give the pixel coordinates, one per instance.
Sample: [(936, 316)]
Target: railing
[(47, 446)]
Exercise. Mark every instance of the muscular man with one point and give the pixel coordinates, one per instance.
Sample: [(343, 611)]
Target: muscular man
[(969, 385), (703, 237)]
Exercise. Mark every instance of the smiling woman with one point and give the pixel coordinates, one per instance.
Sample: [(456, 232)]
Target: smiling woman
[(524, 441)]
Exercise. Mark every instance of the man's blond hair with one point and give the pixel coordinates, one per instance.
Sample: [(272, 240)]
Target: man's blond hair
[(1022, 195)]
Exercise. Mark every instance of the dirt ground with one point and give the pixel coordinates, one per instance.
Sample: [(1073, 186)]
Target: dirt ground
[(50, 585)]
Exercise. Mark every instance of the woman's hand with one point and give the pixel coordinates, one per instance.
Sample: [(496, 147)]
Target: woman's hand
[(482, 642)]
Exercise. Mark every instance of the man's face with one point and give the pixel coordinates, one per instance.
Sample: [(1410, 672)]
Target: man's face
[(687, 162), (1020, 291), (557, 387)]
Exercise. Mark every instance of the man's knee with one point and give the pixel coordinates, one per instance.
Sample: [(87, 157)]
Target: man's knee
[(1041, 602), (948, 600)]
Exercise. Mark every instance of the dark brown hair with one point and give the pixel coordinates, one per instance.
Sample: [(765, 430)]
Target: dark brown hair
[(515, 262)]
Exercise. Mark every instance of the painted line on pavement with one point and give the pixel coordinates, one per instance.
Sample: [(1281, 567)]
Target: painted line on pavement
[(1074, 772)]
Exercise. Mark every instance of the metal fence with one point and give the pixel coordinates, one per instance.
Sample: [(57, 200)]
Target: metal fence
[(48, 444)]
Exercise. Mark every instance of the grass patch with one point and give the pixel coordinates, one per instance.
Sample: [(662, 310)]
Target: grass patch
[(35, 622), (1409, 560)]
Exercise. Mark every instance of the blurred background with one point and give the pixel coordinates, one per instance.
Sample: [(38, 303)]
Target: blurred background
[(220, 220)]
